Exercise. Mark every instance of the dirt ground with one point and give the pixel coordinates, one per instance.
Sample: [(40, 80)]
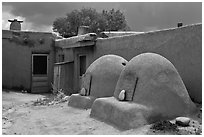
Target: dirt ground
[(21, 117)]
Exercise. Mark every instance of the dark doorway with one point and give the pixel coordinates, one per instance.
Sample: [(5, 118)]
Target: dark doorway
[(82, 65), (40, 64)]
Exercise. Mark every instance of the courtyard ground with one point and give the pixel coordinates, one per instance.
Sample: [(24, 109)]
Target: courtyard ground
[(21, 117)]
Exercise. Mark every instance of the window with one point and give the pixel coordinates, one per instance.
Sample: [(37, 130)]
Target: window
[(82, 65), (40, 64)]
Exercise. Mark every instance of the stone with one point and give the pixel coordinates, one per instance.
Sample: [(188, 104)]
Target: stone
[(4, 118), (122, 95), (183, 121), (11, 110), (51, 103), (24, 91), (83, 92), (66, 98)]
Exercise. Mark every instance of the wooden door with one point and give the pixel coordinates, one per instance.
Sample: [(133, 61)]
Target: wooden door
[(40, 73)]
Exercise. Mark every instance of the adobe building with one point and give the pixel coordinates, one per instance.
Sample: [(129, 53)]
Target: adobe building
[(180, 45), (27, 59), (73, 56), (68, 58)]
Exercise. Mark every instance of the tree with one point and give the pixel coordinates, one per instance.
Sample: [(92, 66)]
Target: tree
[(105, 21), (116, 20)]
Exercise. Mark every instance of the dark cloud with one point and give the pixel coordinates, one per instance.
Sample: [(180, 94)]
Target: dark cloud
[(140, 16), (44, 13), (162, 15)]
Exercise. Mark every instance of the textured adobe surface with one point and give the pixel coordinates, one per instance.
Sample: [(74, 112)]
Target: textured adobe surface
[(105, 72), (124, 115), (78, 101), (101, 77), (156, 83), (154, 91)]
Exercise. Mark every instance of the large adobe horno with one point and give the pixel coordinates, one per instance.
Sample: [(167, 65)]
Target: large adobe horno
[(105, 72), (152, 80)]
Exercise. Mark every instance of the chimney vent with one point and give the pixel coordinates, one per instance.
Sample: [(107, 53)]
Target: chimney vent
[(180, 24), (15, 24)]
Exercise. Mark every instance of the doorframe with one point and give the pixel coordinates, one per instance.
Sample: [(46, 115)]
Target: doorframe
[(79, 55), (78, 69)]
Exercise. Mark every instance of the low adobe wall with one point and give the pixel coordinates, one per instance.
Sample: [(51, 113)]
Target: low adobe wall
[(182, 46)]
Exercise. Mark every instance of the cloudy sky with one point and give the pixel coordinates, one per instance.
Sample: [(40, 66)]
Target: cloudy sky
[(147, 16)]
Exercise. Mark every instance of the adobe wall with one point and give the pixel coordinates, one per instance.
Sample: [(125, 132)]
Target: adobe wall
[(182, 46), (17, 57), (68, 55)]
